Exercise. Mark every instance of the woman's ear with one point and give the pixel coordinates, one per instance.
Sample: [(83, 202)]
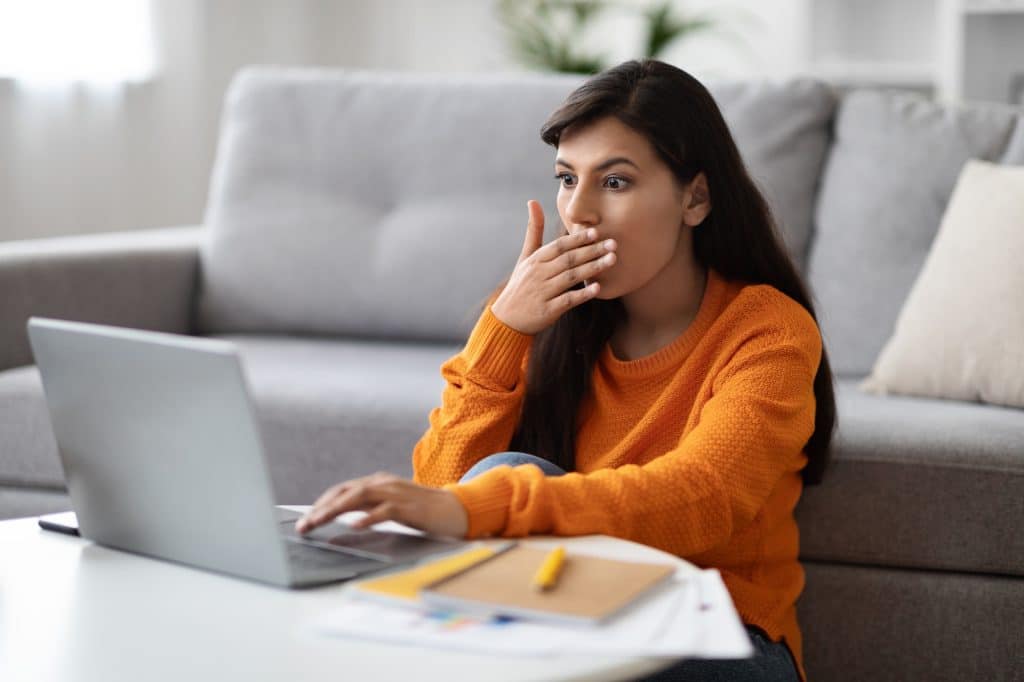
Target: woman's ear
[(696, 201)]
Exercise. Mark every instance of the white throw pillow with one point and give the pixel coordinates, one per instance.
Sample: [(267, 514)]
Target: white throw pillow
[(960, 334)]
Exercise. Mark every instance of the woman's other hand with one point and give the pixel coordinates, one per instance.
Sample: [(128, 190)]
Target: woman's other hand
[(540, 288), (389, 498)]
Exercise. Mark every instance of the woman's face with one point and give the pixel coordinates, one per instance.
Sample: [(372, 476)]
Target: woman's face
[(611, 179)]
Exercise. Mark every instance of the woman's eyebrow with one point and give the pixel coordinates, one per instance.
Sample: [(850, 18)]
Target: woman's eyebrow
[(601, 166)]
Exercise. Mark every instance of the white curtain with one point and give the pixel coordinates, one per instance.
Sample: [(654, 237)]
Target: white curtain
[(109, 109), (67, 72)]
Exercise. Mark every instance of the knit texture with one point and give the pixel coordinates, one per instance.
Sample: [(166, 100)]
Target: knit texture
[(695, 449)]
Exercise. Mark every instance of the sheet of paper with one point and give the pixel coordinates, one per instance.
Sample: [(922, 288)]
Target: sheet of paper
[(691, 616)]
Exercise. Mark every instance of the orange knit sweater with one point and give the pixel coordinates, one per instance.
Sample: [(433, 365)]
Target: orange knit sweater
[(695, 449)]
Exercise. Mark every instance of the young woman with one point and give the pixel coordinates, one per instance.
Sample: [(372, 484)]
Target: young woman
[(656, 373)]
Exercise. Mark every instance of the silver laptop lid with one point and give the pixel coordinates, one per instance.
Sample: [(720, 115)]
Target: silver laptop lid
[(161, 452)]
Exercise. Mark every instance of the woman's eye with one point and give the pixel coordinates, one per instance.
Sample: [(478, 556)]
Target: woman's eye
[(620, 182), (561, 177)]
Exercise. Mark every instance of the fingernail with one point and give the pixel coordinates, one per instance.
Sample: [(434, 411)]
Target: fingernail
[(591, 234), (609, 244)]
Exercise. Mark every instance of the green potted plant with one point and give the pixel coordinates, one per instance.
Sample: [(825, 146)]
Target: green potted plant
[(547, 34)]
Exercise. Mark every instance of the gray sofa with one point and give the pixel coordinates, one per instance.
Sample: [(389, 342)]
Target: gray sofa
[(356, 220)]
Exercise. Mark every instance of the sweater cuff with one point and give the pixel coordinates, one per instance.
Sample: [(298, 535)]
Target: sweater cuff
[(486, 498), (496, 351)]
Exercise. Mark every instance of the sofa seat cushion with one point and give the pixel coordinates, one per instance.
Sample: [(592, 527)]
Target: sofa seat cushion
[(19, 503), (28, 450), (328, 410), (334, 409), (919, 482)]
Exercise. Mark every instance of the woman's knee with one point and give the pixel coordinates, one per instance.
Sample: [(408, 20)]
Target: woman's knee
[(511, 459)]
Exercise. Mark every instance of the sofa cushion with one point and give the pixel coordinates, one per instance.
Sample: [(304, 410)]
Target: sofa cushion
[(919, 482), (960, 333), (890, 171), (331, 410), (22, 502), (1014, 154), (389, 205), (28, 456), (783, 132)]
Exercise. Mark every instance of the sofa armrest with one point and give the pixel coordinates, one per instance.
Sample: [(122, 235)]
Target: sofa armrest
[(144, 279)]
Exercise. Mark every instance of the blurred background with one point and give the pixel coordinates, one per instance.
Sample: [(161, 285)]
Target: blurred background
[(109, 108)]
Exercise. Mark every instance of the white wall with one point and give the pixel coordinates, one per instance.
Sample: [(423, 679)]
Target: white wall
[(80, 161)]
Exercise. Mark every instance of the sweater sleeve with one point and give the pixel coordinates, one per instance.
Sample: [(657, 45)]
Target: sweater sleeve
[(694, 497), (480, 404)]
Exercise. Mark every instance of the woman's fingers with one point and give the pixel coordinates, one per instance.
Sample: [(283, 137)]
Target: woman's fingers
[(534, 230), (574, 297), (331, 493), (354, 498), (312, 518), (428, 509), (385, 511), (565, 244), (340, 498), (361, 496), (582, 254), (580, 264), (387, 497)]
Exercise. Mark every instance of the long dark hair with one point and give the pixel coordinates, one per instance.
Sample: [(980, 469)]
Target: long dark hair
[(738, 239)]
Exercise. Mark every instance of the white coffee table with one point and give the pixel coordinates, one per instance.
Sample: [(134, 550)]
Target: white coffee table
[(72, 610)]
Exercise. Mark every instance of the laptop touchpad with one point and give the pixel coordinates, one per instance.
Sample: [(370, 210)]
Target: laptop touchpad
[(384, 545), (388, 545)]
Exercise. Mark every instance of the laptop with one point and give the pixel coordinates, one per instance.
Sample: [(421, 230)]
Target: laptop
[(163, 457)]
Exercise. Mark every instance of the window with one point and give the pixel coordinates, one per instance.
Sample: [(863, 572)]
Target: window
[(60, 41)]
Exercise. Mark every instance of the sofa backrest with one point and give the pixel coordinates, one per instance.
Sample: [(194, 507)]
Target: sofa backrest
[(377, 204), (894, 161)]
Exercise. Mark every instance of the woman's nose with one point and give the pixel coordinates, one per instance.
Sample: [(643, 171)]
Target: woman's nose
[(580, 212)]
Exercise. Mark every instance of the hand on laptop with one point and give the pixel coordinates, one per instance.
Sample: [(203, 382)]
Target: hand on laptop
[(389, 498)]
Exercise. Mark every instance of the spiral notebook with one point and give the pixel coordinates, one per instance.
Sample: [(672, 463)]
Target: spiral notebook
[(589, 590)]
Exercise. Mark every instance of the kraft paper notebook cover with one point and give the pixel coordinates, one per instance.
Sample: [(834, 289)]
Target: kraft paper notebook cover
[(589, 589), (402, 587)]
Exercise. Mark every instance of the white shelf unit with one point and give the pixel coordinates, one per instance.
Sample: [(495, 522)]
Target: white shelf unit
[(993, 6), (989, 59), (951, 49), (874, 43)]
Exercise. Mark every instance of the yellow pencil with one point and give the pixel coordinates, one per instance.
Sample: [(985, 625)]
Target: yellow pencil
[(547, 574)]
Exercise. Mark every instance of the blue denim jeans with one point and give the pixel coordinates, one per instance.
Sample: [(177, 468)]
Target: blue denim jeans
[(772, 661), (512, 459)]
